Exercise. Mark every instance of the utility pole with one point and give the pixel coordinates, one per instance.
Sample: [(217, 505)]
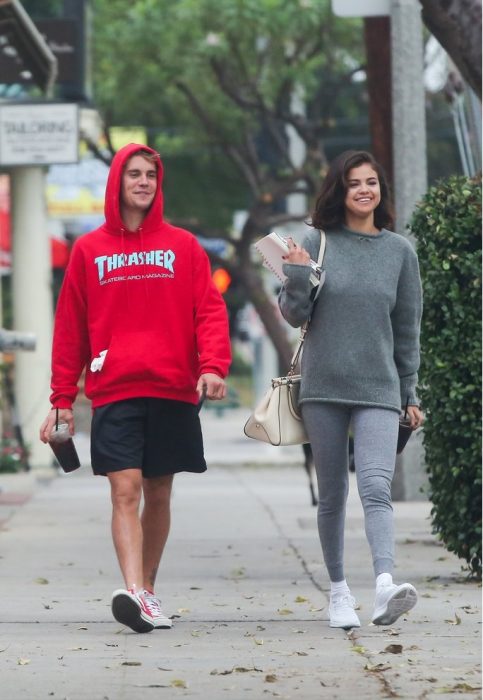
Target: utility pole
[(410, 178), (408, 109)]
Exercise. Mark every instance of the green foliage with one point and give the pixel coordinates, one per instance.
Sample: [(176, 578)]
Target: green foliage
[(447, 226), (11, 455), (238, 59)]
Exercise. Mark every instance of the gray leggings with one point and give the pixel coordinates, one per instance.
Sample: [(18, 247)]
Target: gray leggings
[(375, 438)]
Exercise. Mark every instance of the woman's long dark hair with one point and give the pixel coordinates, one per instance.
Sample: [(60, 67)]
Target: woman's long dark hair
[(329, 207)]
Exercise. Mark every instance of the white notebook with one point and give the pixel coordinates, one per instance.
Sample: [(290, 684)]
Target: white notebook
[(272, 248)]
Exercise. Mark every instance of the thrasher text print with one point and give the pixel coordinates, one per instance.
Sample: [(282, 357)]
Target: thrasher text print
[(160, 258)]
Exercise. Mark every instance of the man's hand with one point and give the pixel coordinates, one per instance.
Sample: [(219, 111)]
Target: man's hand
[(65, 416), (212, 386)]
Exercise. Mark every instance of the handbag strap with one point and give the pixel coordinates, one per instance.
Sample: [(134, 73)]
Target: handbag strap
[(305, 326)]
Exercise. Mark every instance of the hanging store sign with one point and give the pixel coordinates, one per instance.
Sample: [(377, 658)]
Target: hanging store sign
[(38, 134)]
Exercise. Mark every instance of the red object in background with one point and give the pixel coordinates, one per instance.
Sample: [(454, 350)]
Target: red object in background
[(222, 279), (59, 253), (5, 256), (59, 249)]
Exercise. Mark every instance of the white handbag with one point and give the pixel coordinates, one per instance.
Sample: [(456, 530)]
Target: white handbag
[(276, 419)]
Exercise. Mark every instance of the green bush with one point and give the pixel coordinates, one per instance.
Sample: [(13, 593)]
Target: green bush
[(447, 227)]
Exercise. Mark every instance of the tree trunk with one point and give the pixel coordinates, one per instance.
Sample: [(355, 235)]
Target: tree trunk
[(456, 24), (269, 314)]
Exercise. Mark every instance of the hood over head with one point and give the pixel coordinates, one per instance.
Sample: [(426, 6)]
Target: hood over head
[(112, 212)]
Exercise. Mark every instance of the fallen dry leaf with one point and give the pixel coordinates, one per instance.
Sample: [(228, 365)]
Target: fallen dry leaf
[(285, 611), (42, 581), (458, 688), (270, 678), (178, 683), (235, 669), (469, 610), (301, 599), (393, 649), (131, 663), (456, 621), (376, 668), (23, 662), (358, 648)]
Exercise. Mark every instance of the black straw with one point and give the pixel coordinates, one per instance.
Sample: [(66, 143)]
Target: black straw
[(56, 419)]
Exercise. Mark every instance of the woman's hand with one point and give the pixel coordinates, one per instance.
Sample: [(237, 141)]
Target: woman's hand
[(296, 254), (416, 417)]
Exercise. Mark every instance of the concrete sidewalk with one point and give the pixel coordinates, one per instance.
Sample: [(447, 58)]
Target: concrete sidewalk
[(242, 574)]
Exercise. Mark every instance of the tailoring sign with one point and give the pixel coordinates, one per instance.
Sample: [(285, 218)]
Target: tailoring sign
[(38, 134)]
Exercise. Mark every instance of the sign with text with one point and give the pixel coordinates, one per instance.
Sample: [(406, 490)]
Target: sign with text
[(38, 134), (361, 8)]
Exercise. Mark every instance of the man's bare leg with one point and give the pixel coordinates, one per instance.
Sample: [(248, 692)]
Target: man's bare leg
[(127, 532), (155, 521)]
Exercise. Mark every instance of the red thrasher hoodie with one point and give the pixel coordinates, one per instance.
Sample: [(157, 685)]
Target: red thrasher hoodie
[(138, 309)]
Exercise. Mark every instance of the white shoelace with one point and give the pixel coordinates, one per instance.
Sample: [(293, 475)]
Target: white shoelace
[(343, 600), (153, 605)]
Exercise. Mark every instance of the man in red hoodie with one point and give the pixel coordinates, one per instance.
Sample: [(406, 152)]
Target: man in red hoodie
[(139, 311)]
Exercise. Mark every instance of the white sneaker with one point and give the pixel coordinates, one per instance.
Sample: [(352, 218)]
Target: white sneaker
[(341, 611), (153, 604), (130, 609), (393, 601)]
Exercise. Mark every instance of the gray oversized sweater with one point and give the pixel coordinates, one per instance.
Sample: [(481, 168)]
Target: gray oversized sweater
[(362, 346)]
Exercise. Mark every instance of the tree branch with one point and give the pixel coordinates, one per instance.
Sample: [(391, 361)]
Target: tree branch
[(231, 150), (456, 24)]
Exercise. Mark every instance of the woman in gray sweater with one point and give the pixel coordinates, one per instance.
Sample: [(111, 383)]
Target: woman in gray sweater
[(359, 367)]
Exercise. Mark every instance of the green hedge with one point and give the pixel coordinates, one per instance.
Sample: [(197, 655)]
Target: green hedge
[(447, 227)]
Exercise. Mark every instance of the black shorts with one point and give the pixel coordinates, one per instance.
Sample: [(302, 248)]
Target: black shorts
[(158, 436)]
